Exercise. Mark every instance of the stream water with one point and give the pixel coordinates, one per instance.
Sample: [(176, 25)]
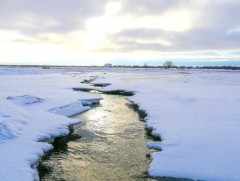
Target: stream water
[(108, 144)]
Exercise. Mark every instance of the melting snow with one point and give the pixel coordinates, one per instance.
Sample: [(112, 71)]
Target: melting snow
[(196, 113)]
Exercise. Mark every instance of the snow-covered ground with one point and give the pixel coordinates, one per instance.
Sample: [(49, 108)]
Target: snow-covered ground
[(33, 108), (195, 112)]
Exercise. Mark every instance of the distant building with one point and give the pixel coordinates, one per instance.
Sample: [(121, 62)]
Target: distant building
[(45, 67), (107, 65)]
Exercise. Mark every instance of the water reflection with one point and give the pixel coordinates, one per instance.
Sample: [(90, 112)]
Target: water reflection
[(112, 146)]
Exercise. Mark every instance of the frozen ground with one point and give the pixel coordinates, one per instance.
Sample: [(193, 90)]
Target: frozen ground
[(34, 107), (196, 113)]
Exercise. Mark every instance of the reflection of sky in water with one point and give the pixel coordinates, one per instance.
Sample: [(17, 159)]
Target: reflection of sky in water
[(112, 147)]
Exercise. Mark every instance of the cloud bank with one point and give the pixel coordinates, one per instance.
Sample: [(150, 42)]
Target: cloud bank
[(120, 26)]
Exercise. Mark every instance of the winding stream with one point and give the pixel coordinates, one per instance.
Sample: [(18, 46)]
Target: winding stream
[(108, 144)]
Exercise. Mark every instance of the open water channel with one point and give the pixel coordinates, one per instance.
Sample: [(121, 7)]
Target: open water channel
[(108, 144)]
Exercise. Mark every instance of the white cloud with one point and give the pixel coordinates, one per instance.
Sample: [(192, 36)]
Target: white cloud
[(109, 29)]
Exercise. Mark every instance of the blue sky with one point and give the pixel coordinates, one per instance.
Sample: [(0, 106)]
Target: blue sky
[(80, 32)]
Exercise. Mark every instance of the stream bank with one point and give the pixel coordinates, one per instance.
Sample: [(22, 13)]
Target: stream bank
[(108, 144)]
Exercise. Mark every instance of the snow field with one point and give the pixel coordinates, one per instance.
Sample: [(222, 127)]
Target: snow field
[(197, 116), (34, 108), (196, 113)]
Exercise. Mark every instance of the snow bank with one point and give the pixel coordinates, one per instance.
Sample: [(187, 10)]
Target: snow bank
[(86, 102), (196, 114), (97, 84), (25, 119), (70, 109)]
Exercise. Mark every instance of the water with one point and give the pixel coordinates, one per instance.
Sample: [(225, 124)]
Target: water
[(112, 146)]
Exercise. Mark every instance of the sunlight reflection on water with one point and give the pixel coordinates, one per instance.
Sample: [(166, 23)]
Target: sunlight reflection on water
[(112, 146)]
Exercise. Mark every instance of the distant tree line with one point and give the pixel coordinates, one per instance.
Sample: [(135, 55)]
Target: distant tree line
[(169, 64), (166, 65), (179, 67)]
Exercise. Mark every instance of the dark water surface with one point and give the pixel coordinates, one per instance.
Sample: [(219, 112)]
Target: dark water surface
[(112, 146)]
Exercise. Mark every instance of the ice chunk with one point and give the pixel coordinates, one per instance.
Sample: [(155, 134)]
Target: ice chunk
[(70, 109)]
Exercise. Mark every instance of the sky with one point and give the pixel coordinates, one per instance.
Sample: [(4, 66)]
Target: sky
[(129, 32)]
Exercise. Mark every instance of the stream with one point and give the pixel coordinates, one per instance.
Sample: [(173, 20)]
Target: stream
[(108, 144)]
